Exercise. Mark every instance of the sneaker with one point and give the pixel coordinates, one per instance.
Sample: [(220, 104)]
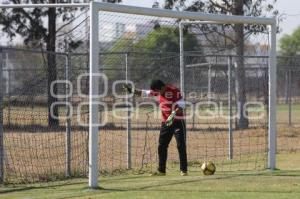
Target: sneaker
[(183, 173), (158, 173)]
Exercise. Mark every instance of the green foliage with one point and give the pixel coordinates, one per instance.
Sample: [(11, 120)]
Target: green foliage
[(290, 44), (156, 55), (259, 8), (161, 59), (166, 39), (163, 39), (123, 44), (115, 60), (160, 40)]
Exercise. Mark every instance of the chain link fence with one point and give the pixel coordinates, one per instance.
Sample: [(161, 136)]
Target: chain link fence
[(288, 104), (33, 150)]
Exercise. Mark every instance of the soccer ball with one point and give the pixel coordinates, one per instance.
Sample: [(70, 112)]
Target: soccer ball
[(208, 168)]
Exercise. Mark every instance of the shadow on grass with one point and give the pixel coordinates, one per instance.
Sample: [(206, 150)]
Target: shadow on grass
[(153, 184), (18, 188), (172, 182)]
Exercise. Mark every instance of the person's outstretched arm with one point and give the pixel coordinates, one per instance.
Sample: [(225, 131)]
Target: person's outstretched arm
[(135, 91)]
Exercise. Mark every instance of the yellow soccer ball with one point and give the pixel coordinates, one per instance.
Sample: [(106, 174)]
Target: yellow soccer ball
[(208, 168)]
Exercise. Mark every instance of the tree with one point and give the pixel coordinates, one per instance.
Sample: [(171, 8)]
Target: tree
[(234, 7), (30, 25), (290, 51), (160, 43), (290, 44)]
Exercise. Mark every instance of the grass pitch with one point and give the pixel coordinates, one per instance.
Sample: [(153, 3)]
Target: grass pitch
[(281, 183)]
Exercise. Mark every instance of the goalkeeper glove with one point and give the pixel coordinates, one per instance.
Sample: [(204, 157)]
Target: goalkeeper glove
[(128, 89), (170, 119)]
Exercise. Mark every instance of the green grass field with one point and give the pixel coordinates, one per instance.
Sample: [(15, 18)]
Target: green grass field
[(281, 183)]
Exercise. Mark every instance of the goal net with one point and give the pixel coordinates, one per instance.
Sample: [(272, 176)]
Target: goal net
[(228, 92), (223, 65)]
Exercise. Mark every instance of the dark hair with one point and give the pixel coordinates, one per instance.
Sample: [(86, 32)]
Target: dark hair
[(157, 84)]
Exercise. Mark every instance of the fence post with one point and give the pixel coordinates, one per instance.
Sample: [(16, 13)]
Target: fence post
[(230, 138), (1, 120), (7, 88), (209, 83), (182, 87), (286, 87), (68, 121), (236, 91), (128, 118), (8, 93), (290, 95)]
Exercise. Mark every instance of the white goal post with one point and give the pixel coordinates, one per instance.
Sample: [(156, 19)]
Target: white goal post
[(95, 7)]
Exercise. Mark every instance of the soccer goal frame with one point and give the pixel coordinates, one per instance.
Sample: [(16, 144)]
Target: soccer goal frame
[(95, 7)]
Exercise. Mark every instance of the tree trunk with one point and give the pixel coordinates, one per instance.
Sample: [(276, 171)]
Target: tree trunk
[(242, 121), (52, 73)]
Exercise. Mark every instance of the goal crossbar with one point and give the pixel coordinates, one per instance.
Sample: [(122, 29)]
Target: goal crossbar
[(182, 14)]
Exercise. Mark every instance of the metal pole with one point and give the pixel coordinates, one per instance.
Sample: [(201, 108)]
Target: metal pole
[(128, 119), (236, 91), (93, 91), (181, 60), (290, 96), (7, 87), (8, 100), (194, 88), (230, 136), (68, 122), (272, 100), (209, 83), (1, 120), (286, 87), (182, 87), (194, 114)]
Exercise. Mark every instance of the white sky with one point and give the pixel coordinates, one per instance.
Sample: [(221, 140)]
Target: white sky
[(291, 15)]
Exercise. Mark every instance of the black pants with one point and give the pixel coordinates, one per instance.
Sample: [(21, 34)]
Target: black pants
[(166, 133)]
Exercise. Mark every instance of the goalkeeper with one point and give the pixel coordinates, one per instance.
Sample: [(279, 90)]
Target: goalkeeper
[(171, 104)]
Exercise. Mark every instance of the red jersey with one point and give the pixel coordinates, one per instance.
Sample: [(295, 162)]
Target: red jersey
[(167, 101)]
